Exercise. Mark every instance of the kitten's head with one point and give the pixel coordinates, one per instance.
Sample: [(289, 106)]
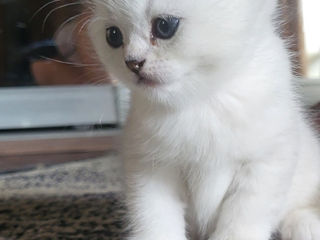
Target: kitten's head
[(170, 51)]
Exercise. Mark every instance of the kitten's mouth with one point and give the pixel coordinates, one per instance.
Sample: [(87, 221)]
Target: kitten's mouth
[(148, 82)]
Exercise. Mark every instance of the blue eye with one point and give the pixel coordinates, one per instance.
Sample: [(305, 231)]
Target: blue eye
[(165, 28), (114, 37)]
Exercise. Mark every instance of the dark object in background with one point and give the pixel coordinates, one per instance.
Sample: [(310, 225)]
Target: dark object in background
[(23, 38), (39, 50), (315, 113), (14, 36), (20, 67)]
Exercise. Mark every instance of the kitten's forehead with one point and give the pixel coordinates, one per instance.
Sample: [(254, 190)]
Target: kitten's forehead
[(128, 8), (135, 9)]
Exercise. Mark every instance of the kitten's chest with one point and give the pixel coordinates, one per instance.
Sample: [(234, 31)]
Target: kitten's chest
[(181, 137)]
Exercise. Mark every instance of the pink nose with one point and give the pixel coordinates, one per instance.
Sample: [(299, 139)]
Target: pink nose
[(135, 66)]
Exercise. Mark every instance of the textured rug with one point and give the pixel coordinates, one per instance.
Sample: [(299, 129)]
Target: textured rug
[(82, 201), (71, 201)]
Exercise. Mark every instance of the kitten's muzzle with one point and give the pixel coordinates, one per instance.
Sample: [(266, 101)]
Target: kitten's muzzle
[(135, 66)]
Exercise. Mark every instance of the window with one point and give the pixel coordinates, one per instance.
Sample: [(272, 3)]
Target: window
[(47, 68), (311, 29)]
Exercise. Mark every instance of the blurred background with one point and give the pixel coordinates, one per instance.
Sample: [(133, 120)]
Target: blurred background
[(32, 32), (55, 98), (57, 103), (311, 20)]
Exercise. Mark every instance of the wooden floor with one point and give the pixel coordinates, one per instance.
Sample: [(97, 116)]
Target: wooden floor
[(17, 163), (16, 154)]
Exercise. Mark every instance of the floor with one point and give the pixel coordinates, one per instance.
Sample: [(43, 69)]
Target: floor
[(26, 151), (81, 200)]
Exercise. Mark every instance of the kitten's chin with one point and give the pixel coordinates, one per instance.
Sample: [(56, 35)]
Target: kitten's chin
[(163, 93), (150, 82), (146, 82)]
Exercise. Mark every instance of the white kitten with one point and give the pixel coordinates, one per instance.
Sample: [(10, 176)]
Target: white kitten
[(216, 146)]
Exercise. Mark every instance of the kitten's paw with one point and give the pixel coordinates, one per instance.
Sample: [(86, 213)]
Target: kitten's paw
[(301, 225)]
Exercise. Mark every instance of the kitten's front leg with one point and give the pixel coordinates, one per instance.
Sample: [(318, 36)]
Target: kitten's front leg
[(155, 205), (254, 203)]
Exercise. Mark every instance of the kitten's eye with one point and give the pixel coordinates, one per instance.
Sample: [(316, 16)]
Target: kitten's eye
[(165, 28), (114, 37)]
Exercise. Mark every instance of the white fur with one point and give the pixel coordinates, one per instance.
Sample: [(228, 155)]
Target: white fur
[(221, 150)]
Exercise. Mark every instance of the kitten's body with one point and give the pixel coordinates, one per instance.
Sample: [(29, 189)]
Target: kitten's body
[(220, 150)]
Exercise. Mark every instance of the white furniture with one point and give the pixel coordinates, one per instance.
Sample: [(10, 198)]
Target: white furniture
[(49, 107)]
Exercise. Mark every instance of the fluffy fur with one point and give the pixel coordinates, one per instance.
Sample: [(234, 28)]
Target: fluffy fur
[(221, 149)]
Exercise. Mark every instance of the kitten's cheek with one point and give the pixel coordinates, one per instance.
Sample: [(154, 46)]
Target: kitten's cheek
[(123, 77), (130, 80)]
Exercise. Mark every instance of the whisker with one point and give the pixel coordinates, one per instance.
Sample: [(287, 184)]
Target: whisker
[(84, 25), (102, 3), (69, 63), (43, 7), (68, 21), (90, 21), (56, 9), (72, 31), (99, 82)]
